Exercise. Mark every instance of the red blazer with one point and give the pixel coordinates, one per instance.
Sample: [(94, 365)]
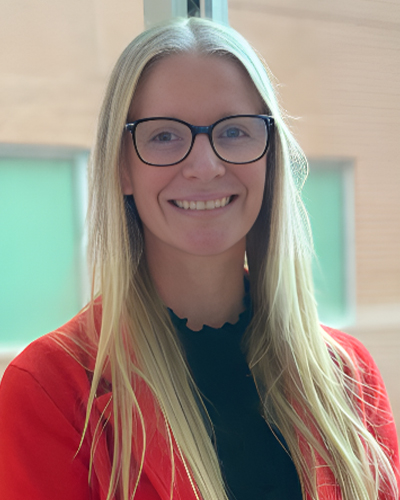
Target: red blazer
[(43, 398)]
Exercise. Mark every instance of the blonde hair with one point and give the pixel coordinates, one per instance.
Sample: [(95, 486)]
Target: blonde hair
[(299, 370)]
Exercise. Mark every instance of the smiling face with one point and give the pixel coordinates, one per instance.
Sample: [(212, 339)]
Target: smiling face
[(203, 205)]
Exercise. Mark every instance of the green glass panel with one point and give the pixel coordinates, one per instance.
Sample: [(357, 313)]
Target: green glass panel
[(323, 197), (38, 249)]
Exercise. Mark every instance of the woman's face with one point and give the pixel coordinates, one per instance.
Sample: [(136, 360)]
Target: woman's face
[(199, 90)]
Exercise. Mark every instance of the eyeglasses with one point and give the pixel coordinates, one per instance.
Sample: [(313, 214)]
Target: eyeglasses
[(239, 139)]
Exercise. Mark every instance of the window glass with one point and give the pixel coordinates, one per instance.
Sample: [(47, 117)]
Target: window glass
[(40, 248), (327, 196)]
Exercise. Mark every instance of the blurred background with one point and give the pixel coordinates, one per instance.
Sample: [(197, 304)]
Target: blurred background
[(337, 70)]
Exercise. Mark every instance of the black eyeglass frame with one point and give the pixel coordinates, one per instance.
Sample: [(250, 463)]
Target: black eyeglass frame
[(198, 129)]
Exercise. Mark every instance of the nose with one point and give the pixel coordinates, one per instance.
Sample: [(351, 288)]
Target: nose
[(202, 163)]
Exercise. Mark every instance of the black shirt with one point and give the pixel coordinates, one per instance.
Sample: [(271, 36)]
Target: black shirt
[(253, 462)]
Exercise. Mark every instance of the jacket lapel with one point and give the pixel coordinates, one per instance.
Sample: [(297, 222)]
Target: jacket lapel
[(157, 464)]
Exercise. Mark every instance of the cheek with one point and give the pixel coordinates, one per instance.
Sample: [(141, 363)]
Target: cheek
[(148, 183), (255, 180), (144, 192)]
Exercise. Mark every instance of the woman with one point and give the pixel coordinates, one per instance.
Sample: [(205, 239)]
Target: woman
[(187, 377)]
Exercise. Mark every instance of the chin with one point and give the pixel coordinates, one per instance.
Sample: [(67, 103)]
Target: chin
[(213, 245)]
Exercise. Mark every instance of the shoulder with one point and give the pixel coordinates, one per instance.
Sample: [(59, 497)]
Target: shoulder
[(43, 402), (363, 367), (373, 400), (362, 360), (54, 367), (347, 341), (371, 396)]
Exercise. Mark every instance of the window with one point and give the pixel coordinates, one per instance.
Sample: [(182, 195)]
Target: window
[(328, 196), (43, 275)]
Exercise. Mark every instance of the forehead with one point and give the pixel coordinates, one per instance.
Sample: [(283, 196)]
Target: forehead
[(189, 86)]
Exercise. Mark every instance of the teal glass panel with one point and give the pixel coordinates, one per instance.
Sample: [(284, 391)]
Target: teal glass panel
[(323, 195), (39, 249)]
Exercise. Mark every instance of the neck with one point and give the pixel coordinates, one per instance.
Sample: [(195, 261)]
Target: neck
[(207, 290)]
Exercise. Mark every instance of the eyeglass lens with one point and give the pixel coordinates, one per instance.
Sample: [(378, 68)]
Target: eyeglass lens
[(239, 139)]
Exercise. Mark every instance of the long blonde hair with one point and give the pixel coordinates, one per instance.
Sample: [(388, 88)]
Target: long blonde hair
[(297, 367)]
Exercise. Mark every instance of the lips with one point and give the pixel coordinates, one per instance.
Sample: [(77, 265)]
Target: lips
[(203, 205)]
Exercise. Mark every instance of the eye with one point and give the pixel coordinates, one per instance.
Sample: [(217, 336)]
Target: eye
[(232, 133), (165, 137)]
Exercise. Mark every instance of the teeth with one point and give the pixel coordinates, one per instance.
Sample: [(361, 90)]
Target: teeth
[(210, 205), (203, 205)]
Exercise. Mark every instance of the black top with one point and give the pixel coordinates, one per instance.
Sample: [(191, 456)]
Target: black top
[(254, 464)]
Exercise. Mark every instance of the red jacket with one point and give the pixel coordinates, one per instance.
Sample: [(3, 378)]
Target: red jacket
[(43, 398)]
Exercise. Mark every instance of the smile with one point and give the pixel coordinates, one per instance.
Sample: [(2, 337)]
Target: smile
[(203, 205)]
